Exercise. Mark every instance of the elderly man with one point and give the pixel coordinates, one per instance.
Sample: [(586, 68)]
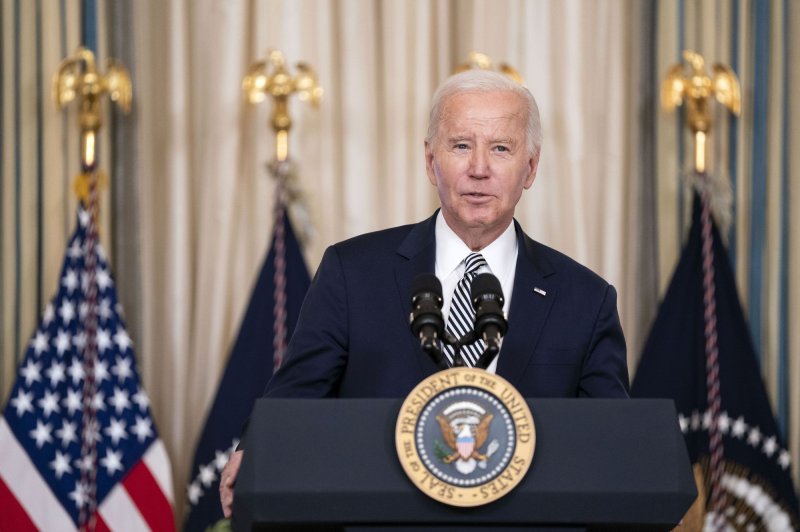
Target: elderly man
[(353, 340)]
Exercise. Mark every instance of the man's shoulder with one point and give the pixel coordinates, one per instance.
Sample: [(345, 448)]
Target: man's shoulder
[(382, 248), (403, 239), (382, 239)]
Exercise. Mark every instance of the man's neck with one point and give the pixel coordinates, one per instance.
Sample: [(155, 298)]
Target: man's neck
[(476, 239)]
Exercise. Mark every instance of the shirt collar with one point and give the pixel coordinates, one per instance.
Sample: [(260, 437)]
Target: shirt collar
[(500, 255)]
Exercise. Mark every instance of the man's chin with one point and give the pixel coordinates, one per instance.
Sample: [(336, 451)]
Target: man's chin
[(480, 223), (478, 216), (474, 218)]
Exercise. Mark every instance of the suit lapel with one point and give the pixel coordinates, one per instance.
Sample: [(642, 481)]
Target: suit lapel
[(529, 309), (419, 250)]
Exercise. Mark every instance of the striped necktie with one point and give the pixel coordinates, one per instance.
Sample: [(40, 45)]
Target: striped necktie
[(461, 318)]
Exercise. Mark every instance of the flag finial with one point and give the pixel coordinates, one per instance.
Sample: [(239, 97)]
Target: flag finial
[(688, 83), (77, 78), (271, 78)]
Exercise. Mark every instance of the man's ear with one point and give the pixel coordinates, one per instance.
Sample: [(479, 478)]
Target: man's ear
[(533, 165), (429, 163)]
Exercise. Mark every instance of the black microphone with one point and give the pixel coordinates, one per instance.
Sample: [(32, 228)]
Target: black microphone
[(490, 322), (426, 318)]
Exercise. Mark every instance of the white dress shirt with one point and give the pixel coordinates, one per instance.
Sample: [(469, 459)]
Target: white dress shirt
[(501, 260)]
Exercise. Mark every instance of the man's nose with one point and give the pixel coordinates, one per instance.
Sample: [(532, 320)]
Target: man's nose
[(479, 164)]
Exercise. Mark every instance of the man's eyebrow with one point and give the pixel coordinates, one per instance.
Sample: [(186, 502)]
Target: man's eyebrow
[(500, 140)]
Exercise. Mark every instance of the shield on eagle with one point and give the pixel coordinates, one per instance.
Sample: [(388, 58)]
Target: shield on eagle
[(465, 442)]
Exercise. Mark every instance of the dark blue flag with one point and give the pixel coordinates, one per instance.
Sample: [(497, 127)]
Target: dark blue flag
[(756, 481), (249, 368)]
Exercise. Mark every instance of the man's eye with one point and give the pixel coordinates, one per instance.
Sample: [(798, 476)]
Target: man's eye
[(501, 148), (461, 146)]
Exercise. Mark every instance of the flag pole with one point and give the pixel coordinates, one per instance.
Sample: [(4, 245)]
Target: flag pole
[(688, 84), (270, 77), (280, 287), (77, 78)]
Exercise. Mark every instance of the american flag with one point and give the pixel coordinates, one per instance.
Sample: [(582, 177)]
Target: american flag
[(41, 458)]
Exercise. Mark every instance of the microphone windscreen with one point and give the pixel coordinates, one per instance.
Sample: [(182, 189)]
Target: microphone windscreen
[(426, 282), (485, 283)]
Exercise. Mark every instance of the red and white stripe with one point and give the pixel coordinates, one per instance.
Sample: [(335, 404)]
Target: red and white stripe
[(142, 501), (25, 498)]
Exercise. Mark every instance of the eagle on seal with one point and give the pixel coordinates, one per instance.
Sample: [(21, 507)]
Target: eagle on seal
[(462, 440)]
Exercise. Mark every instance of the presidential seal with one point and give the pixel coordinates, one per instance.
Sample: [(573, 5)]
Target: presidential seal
[(465, 437)]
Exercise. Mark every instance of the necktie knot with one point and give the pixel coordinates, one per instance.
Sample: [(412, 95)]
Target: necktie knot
[(473, 263)]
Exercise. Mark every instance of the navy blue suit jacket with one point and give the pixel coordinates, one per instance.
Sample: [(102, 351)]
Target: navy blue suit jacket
[(353, 337)]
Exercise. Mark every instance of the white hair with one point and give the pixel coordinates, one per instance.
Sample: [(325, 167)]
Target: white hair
[(478, 80)]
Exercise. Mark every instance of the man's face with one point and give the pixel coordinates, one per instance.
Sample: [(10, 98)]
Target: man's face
[(479, 161)]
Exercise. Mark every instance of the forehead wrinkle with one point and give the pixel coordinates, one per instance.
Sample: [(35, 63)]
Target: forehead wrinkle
[(469, 120), (495, 129), (461, 122), (490, 138)]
